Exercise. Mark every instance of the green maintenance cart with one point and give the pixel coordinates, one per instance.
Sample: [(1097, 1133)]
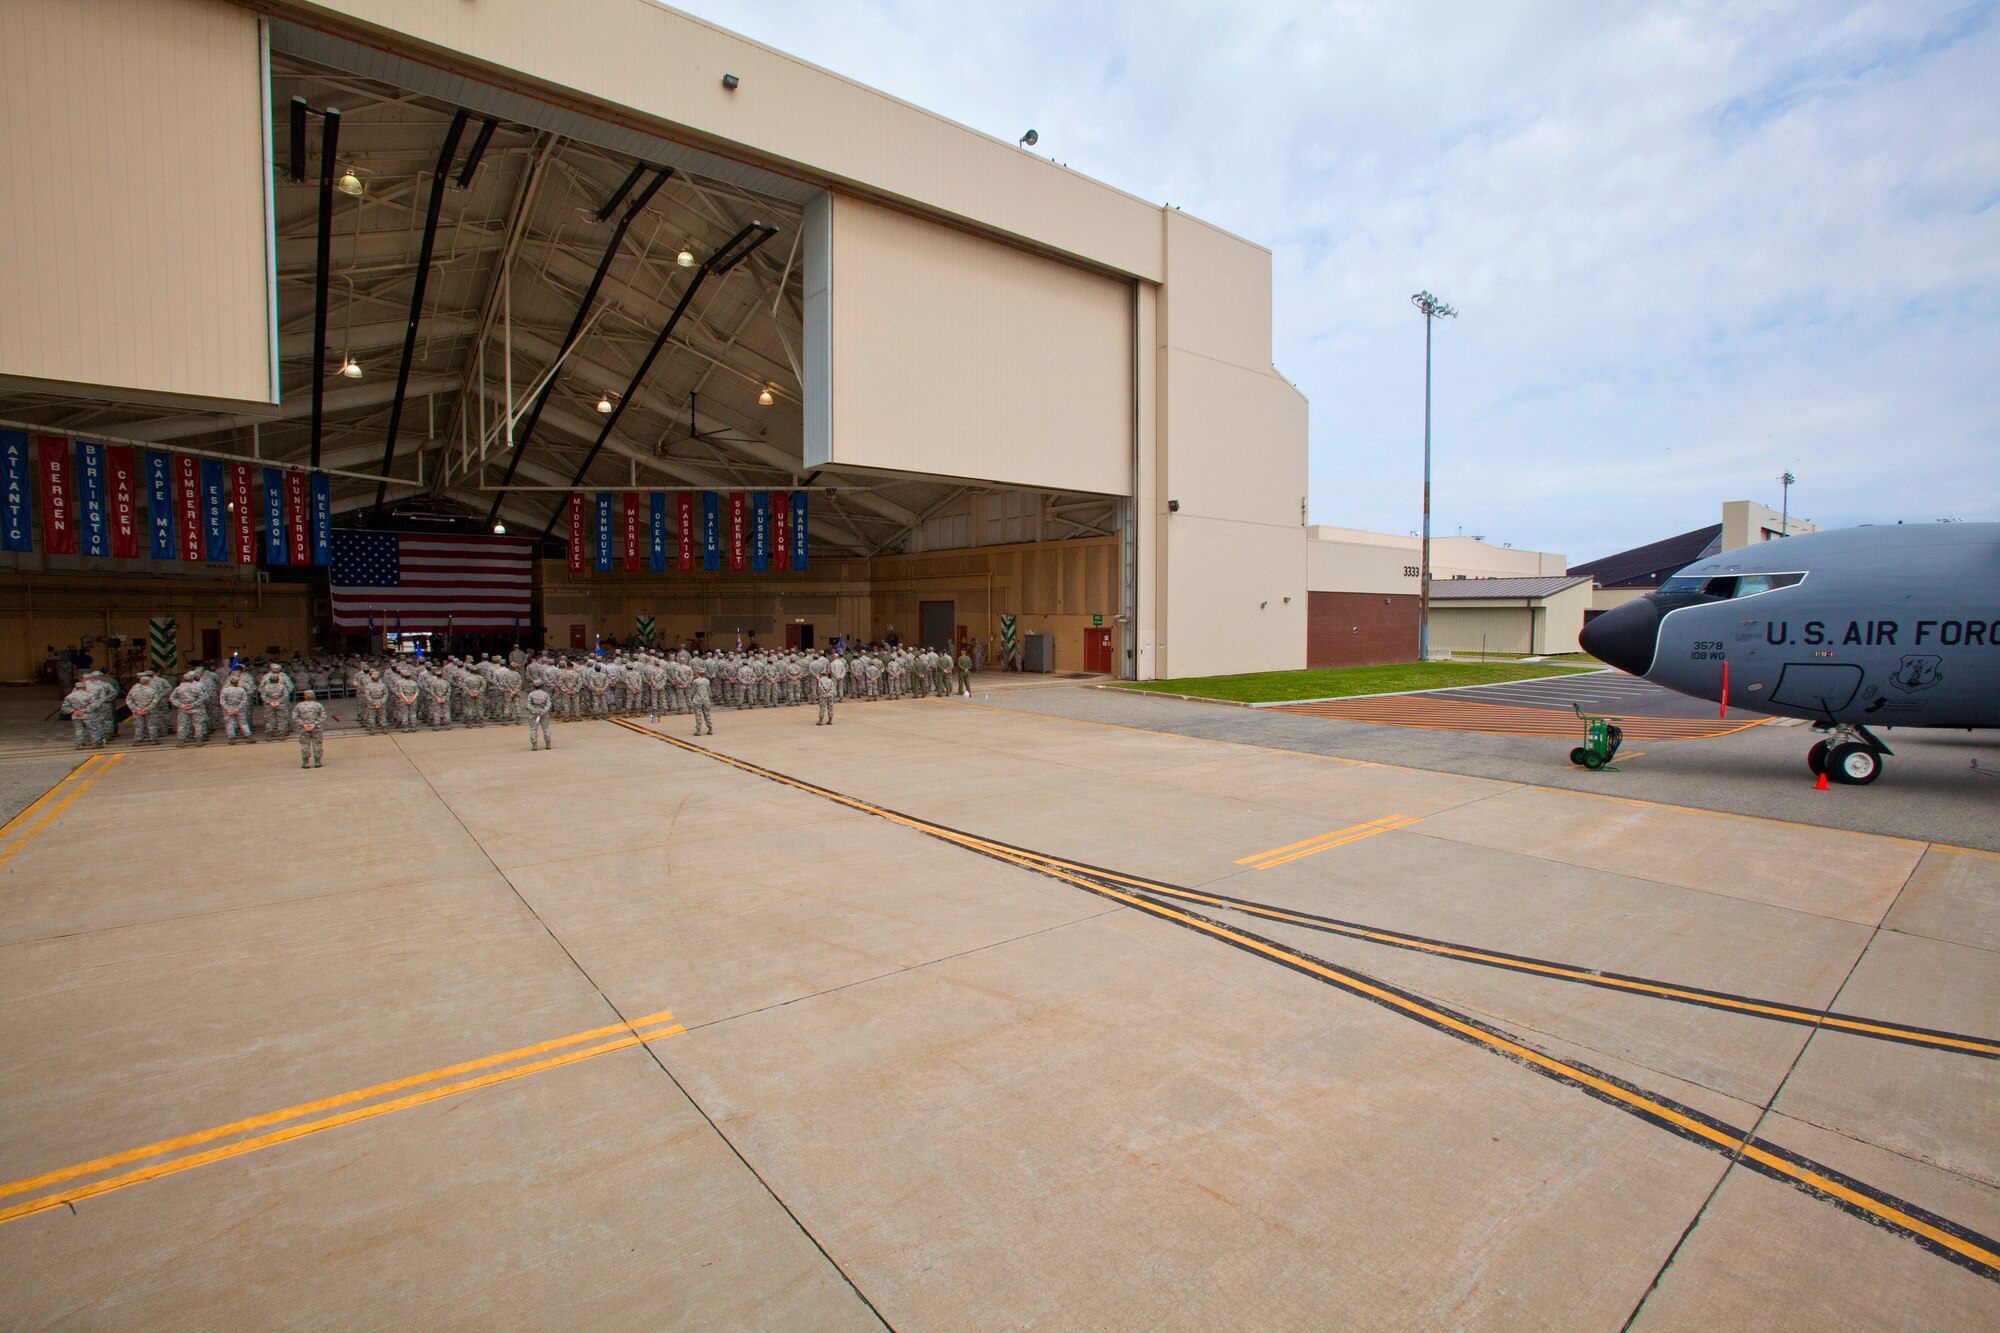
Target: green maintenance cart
[(1600, 743)]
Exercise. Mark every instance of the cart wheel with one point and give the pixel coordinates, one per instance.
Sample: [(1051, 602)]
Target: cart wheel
[(1577, 755), (1593, 762), (1816, 758)]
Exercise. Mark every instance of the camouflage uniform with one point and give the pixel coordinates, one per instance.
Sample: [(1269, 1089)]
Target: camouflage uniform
[(374, 696), (309, 716), (190, 711), (964, 677), (236, 712), (539, 706), (698, 705), (473, 687), (437, 693), (823, 685), (404, 692), (145, 702), (79, 703), (275, 689)]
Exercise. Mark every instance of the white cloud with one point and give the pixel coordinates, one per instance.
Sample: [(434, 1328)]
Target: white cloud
[(1694, 245)]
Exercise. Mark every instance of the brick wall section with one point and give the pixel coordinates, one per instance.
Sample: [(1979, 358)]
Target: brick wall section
[(1360, 629)]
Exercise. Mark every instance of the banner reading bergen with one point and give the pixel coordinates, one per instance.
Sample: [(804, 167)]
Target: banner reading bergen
[(17, 531), (160, 506), (58, 532), (122, 483), (92, 521)]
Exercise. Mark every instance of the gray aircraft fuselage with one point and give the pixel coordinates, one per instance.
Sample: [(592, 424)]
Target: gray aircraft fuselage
[(1879, 627)]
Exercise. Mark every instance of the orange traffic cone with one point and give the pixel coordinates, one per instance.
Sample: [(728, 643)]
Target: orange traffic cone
[(1821, 784)]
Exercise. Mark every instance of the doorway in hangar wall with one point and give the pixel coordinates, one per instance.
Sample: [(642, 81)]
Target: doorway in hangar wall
[(934, 624)]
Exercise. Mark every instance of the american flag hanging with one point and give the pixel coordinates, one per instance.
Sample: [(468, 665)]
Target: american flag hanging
[(431, 583)]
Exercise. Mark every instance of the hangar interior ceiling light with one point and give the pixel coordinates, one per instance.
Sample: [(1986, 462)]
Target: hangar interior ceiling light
[(349, 183), (350, 367), (499, 529), (764, 398), (604, 405), (685, 258)]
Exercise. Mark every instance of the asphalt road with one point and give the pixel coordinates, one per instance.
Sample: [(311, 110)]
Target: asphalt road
[(1939, 786)]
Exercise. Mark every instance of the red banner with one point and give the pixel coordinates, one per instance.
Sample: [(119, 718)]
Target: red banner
[(577, 555), (58, 480), (635, 542), (781, 530), (739, 544), (122, 499), (684, 518), (298, 538), (187, 499), (243, 518)]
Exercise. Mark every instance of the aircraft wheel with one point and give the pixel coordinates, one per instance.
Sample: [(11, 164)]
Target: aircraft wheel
[(1816, 758), (1855, 765), (1577, 756)]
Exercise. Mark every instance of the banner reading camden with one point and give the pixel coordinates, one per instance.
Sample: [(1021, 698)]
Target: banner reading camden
[(122, 487)]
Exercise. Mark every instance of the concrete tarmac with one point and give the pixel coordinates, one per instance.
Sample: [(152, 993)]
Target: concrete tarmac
[(452, 1034)]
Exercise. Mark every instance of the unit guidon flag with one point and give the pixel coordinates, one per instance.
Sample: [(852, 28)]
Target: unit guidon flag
[(433, 583)]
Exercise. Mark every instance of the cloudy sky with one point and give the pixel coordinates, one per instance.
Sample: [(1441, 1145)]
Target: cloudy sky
[(1694, 245)]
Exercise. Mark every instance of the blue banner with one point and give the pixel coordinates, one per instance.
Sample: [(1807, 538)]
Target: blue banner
[(603, 534), (322, 518), (160, 507), (95, 528), (17, 532), (711, 530), (798, 529), (214, 512), (274, 516), (760, 530), (656, 531)]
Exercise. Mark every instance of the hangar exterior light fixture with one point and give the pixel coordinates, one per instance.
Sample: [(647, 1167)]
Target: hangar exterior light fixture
[(1030, 139), (764, 398), (350, 184), (349, 367), (604, 405), (685, 258)]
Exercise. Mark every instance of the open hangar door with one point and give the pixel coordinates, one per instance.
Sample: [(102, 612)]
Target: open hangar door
[(486, 306)]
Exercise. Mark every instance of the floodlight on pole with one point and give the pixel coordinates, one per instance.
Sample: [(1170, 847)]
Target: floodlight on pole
[(1433, 309), (1785, 515)]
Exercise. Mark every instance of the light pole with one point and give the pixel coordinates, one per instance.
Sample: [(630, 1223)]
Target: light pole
[(1785, 515), (1433, 309)]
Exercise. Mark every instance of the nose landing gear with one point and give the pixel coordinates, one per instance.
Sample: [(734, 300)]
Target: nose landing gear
[(1850, 755)]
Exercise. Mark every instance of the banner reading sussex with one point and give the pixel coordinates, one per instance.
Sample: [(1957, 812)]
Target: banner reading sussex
[(714, 530)]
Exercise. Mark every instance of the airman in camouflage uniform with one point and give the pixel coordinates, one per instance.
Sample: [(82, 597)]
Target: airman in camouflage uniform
[(236, 712), (309, 717), (274, 688), (145, 699), (539, 707), (374, 708), (698, 705), (190, 711), (405, 692), (823, 687), (963, 680), (79, 704)]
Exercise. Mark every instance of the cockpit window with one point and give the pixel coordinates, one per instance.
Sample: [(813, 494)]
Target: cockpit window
[(1729, 585)]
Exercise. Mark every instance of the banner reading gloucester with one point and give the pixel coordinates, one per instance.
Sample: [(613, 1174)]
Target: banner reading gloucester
[(243, 524)]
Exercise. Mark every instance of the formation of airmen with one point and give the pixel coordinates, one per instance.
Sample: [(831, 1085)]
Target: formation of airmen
[(403, 693)]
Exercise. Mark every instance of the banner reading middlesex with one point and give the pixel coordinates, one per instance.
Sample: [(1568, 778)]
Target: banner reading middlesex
[(576, 555)]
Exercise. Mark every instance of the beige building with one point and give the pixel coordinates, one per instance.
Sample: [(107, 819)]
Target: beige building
[(1362, 589), (607, 247), (1529, 616)]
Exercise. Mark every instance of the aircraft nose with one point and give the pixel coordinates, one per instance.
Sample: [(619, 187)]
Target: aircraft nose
[(1625, 636)]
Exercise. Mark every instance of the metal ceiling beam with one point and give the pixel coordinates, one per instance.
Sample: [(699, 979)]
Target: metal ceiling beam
[(439, 179), (478, 152), (328, 144), (339, 400), (526, 427)]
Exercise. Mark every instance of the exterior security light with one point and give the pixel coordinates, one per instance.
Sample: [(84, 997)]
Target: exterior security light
[(685, 258), (764, 398), (1030, 139), (730, 81), (350, 367), (499, 529), (604, 405), (349, 183)]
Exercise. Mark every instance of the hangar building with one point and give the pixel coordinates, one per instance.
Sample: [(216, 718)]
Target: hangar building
[(596, 274)]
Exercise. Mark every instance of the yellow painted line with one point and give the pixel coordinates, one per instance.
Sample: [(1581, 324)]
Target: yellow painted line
[(176, 1165), (1341, 842), (79, 789), (1293, 846), (95, 1165), (1733, 1144), (7, 829)]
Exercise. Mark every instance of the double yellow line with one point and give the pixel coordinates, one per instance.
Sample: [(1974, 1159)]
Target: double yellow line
[(628, 1034), (22, 828), (1314, 846)]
